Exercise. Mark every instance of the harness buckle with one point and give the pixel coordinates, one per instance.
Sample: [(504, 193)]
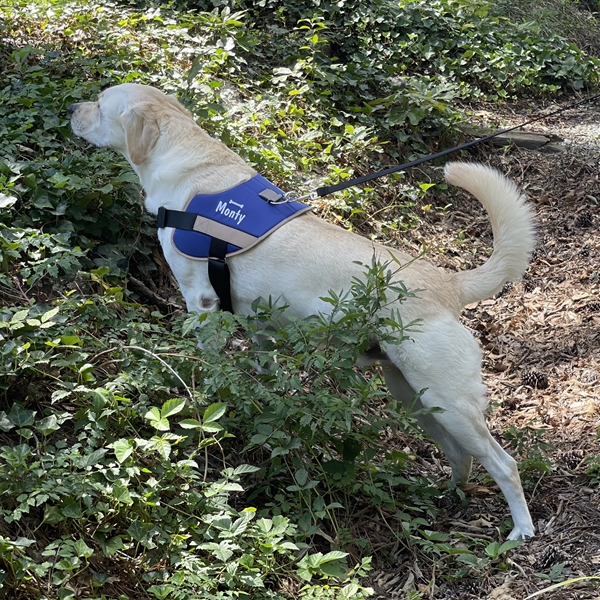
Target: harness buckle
[(273, 197), (161, 217)]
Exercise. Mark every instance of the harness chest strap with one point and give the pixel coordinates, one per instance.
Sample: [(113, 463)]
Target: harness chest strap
[(216, 226), (187, 221), (218, 273)]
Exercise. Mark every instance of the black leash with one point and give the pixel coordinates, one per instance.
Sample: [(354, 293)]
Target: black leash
[(324, 191)]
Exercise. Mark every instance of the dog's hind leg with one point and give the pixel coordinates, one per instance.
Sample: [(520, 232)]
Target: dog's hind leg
[(460, 460), (468, 425), (445, 361)]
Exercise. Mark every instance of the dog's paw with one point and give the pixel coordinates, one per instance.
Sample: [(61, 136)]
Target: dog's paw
[(522, 533)]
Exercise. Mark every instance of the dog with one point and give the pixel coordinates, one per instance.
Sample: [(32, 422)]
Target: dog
[(307, 257)]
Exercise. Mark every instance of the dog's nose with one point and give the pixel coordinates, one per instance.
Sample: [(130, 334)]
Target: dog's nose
[(72, 108)]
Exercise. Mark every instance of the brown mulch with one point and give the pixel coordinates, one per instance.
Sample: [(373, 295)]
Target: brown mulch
[(547, 324)]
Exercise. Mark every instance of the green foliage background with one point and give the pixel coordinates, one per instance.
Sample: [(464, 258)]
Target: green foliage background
[(131, 463)]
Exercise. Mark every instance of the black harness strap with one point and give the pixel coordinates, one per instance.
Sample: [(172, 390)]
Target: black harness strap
[(218, 272), (178, 219)]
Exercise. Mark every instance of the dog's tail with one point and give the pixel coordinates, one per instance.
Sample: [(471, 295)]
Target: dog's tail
[(512, 226)]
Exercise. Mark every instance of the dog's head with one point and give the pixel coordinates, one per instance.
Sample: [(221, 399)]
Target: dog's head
[(128, 118)]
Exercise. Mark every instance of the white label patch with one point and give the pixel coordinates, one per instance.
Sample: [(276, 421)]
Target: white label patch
[(237, 215)]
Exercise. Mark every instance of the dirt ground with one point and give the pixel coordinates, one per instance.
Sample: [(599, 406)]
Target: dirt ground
[(541, 341)]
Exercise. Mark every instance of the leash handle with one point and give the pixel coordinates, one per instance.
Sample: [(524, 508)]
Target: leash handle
[(326, 190)]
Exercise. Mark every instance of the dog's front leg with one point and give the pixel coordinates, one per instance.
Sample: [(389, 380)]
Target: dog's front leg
[(192, 277), (194, 283)]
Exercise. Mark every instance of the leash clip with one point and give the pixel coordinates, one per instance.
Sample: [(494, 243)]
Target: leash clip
[(285, 199), (289, 197)]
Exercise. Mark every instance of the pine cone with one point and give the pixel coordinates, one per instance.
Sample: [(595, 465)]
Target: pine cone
[(535, 379), (584, 219), (572, 458), (550, 556), (584, 252), (593, 306), (589, 377)]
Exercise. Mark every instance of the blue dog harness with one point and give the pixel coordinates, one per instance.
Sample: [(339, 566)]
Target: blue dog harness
[(216, 226)]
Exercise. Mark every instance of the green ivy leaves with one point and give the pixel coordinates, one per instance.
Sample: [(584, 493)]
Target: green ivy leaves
[(159, 419)]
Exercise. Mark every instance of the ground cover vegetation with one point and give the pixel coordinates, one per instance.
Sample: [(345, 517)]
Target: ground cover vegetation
[(132, 465)]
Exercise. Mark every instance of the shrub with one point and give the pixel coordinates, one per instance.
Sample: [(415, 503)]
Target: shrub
[(131, 473)]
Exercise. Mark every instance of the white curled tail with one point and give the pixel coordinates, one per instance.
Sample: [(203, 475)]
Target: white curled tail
[(512, 226)]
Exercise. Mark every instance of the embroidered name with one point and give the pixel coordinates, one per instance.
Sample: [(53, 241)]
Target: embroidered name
[(223, 208)]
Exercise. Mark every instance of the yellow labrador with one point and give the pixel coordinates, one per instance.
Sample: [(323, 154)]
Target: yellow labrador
[(307, 257)]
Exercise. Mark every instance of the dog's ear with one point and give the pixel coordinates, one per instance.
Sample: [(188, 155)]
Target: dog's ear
[(141, 132)]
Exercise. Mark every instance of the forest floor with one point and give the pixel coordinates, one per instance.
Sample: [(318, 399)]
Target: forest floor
[(541, 342)]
